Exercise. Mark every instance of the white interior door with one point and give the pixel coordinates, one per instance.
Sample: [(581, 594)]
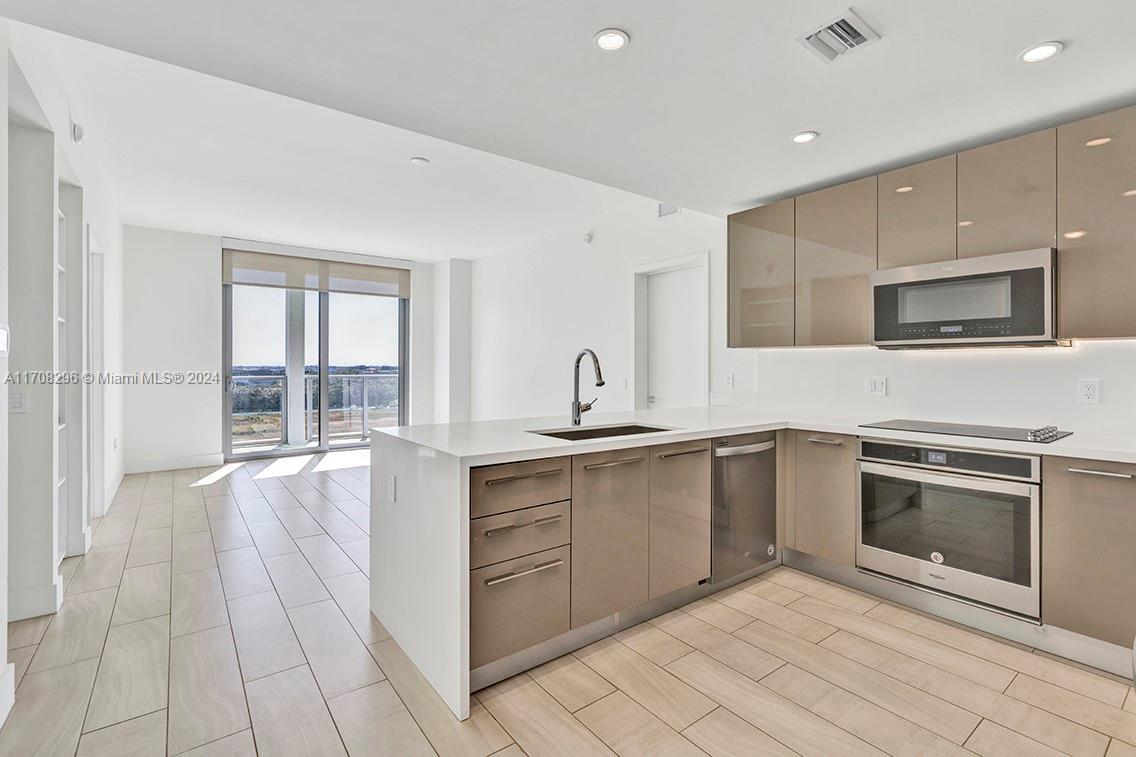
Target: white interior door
[(675, 339)]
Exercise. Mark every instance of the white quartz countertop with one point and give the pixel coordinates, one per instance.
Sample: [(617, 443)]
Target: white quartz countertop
[(487, 442)]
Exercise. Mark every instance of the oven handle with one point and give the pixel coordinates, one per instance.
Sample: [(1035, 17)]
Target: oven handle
[(951, 479)]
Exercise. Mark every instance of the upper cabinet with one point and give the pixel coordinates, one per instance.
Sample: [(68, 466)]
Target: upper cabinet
[(1007, 195), (798, 268), (761, 276), (836, 249), (917, 213), (1096, 224)]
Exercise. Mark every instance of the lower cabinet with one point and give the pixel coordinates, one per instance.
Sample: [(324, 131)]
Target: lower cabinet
[(610, 525), (1088, 572), (679, 533), (822, 503), (518, 603)]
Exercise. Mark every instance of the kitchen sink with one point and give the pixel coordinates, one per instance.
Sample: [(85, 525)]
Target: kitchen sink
[(600, 432)]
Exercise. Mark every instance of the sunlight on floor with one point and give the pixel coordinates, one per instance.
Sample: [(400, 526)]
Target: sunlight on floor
[(217, 475), (285, 466), (350, 458)]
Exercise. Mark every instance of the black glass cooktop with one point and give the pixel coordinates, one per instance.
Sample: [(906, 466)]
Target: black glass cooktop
[(1042, 435)]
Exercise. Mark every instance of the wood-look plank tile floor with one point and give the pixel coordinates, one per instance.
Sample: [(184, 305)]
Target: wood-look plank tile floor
[(225, 612)]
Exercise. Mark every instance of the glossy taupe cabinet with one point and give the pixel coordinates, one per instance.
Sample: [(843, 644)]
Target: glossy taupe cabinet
[(1096, 221), (516, 604), (1007, 195), (836, 249), (1088, 566), (822, 500), (680, 510), (761, 276), (610, 525), (917, 213), (501, 488)]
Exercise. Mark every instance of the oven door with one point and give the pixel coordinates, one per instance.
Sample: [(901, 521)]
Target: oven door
[(972, 537)]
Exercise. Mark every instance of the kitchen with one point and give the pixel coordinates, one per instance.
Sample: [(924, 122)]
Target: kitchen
[(1016, 246)]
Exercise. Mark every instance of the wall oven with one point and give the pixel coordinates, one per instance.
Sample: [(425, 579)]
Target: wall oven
[(963, 522), (995, 299)]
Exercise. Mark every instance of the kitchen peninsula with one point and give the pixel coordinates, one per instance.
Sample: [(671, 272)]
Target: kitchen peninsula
[(423, 497)]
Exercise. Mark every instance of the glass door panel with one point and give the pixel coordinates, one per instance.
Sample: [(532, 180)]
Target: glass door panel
[(364, 365), (273, 389)]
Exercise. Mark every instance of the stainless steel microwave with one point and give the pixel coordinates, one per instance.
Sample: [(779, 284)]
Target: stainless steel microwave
[(1010, 298)]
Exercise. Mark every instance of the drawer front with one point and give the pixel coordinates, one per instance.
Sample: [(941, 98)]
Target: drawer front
[(519, 533), (1088, 510), (516, 604), (502, 488)]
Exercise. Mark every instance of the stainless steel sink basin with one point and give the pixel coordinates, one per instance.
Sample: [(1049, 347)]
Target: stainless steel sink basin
[(599, 432)]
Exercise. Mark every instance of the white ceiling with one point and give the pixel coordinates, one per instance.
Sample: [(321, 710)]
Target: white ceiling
[(697, 110), (187, 151)]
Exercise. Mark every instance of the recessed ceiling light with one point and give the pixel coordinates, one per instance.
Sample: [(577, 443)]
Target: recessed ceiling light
[(1130, 193), (966, 223), (1098, 141), (803, 137), (611, 40), (1074, 234), (1038, 53), (904, 189), (419, 161)]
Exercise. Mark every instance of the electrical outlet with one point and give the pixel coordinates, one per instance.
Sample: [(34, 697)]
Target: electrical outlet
[(115, 443), (623, 383), (877, 385), (729, 381), (17, 402), (392, 488), (1089, 391)]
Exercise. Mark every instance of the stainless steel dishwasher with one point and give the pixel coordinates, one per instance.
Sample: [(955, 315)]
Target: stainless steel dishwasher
[(744, 534)]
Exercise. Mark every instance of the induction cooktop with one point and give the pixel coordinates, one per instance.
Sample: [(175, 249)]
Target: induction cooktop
[(1042, 435)]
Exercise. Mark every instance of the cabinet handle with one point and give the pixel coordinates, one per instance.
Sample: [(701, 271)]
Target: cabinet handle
[(745, 449), (830, 442), (614, 463), (517, 526), (522, 476), (1091, 472), (665, 455), (521, 573)]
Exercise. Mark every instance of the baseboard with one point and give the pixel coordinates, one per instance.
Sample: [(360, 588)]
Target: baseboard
[(111, 491), (79, 542), (7, 691), (35, 600), (174, 463)]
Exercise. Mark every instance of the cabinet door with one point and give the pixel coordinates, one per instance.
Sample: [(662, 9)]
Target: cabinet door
[(1088, 532), (917, 214), (836, 249), (680, 516), (610, 492), (1007, 195), (760, 252), (824, 498), (1096, 221)]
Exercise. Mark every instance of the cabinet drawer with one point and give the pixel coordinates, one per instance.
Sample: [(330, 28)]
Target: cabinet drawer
[(1088, 529), (501, 488), (679, 534), (518, 533), (516, 604)]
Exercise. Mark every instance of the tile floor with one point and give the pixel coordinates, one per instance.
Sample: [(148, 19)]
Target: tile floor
[(224, 612)]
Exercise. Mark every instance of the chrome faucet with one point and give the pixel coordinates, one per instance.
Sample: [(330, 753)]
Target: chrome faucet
[(579, 408)]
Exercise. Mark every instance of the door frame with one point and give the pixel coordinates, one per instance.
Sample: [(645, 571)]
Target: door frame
[(96, 358), (701, 311)]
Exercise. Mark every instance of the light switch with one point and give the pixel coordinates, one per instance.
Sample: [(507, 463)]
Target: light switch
[(17, 401), (877, 385)]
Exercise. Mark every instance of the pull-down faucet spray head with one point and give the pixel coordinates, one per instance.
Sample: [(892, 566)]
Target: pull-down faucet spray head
[(577, 406)]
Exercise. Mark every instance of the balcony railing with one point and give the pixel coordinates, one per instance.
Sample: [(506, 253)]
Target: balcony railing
[(356, 404)]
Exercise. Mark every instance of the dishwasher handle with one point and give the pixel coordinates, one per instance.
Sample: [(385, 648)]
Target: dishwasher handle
[(745, 449)]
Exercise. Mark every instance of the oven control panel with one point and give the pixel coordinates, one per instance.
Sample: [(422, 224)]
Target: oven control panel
[(972, 462)]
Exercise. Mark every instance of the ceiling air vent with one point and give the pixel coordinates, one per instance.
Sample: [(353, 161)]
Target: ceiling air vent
[(668, 209), (841, 37)]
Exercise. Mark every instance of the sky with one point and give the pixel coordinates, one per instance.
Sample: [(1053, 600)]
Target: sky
[(363, 330)]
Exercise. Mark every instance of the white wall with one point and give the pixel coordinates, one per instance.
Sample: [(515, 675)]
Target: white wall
[(533, 308), (7, 670), (172, 314), (451, 340), (36, 58)]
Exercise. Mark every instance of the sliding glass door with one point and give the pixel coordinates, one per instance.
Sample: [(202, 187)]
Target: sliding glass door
[(291, 351)]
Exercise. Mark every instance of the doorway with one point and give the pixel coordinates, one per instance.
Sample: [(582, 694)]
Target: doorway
[(96, 410), (672, 325)]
